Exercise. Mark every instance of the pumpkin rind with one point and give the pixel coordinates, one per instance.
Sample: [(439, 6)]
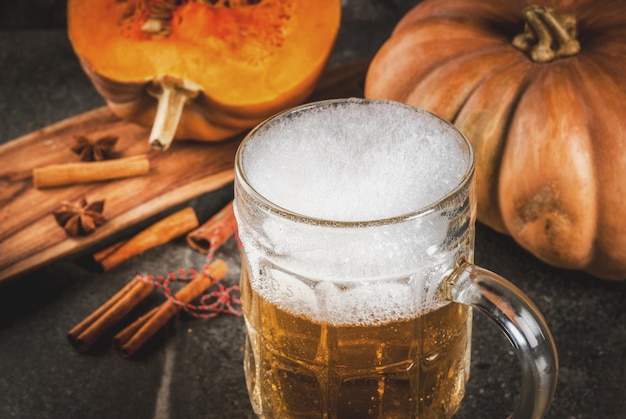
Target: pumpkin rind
[(549, 138), (248, 61)]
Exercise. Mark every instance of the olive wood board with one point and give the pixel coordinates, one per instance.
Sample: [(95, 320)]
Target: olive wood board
[(29, 234)]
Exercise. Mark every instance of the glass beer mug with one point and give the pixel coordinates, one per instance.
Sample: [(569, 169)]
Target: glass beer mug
[(356, 219)]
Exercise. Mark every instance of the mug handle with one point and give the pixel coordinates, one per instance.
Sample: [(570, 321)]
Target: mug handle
[(524, 326)]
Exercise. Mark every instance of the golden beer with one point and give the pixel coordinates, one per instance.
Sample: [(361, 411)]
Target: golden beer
[(356, 219), (408, 368)]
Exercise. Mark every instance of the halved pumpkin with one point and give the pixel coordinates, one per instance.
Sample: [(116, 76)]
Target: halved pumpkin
[(217, 67)]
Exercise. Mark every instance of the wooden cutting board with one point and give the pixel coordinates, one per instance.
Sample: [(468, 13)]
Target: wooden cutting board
[(29, 234)]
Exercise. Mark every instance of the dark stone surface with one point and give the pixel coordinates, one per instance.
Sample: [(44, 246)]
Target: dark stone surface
[(193, 368)]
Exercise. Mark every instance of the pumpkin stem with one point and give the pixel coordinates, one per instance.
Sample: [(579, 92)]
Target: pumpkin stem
[(547, 35), (173, 95)]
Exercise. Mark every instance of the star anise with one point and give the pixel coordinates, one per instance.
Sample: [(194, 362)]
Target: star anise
[(81, 218), (101, 149)]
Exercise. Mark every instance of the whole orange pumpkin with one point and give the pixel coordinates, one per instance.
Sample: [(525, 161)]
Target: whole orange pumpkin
[(202, 70), (540, 91)]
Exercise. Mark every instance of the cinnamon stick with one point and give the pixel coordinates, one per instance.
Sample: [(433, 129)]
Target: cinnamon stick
[(129, 331), (87, 332), (72, 173), (159, 233), (131, 339), (212, 234)]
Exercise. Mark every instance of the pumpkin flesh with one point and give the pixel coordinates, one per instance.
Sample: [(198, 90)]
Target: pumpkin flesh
[(248, 61), (549, 137)]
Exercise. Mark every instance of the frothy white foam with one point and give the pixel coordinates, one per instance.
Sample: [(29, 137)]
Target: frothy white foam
[(355, 163), (351, 162), (353, 303)]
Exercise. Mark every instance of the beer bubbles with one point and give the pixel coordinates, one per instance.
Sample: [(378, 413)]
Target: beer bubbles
[(349, 162), (348, 186)]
